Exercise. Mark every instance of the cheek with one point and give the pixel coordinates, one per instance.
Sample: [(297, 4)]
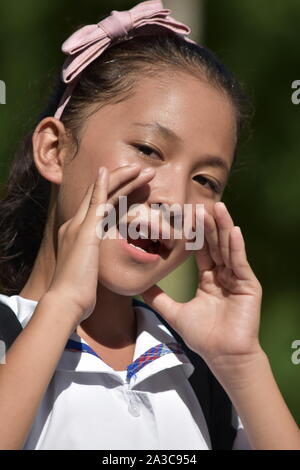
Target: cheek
[(69, 198)]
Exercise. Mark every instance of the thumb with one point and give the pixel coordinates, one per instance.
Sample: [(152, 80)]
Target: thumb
[(162, 303)]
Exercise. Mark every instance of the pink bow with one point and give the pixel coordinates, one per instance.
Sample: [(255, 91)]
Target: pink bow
[(89, 42)]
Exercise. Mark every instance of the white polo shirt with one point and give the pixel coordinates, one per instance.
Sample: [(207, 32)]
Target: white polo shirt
[(151, 405)]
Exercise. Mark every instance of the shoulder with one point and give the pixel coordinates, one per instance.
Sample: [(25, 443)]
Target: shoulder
[(22, 308)]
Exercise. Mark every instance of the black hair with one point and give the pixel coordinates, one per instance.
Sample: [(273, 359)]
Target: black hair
[(110, 78)]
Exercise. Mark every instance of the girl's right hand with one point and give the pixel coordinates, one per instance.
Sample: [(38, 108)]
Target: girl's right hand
[(76, 275)]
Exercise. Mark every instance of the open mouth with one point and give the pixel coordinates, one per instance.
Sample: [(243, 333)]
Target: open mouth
[(146, 245)]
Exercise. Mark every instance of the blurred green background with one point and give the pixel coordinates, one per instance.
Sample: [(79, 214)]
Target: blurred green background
[(259, 42)]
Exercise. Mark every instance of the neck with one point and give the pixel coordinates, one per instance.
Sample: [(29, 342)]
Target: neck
[(113, 322)]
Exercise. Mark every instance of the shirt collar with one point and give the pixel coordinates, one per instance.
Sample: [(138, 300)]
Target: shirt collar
[(22, 307), (156, 348)]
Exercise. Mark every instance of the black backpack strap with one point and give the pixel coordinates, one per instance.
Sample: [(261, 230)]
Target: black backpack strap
[(222, 431), (214, 401), (10, 326)]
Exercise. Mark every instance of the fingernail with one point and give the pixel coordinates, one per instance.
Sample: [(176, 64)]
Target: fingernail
[(221, 204), (101, 171), (147, 170), (133, 165), (129, 166)]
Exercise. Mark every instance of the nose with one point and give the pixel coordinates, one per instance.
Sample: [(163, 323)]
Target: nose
[(168, 195)]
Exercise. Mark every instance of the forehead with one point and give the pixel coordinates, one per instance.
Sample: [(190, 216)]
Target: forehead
[(199, 113)]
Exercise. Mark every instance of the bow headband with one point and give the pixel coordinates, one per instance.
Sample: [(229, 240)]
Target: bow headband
[(88, 43)]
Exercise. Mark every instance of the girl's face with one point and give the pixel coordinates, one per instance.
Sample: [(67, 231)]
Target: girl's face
[(192, 160)]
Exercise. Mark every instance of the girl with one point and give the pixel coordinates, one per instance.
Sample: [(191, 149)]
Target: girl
[(149, 107)]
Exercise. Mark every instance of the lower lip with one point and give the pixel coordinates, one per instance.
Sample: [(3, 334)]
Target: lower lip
[(138, 255)]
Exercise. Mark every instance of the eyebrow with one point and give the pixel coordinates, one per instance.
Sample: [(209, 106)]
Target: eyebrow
[(209, 160), (159, 129)]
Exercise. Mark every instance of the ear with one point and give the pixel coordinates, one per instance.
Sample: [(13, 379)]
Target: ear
[(50, 148)]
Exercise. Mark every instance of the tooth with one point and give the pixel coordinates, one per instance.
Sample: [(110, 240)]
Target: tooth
[(138, 247)]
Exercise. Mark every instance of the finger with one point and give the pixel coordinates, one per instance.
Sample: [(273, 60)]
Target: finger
[(224, 226), (117, 177), (212, 237), (98, 197), (156, 298), (239, 262), (83, 206), (204, 259), (145, 175), (110, 210)]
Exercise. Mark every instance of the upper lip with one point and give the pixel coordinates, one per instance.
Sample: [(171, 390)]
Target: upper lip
[(151, 227)]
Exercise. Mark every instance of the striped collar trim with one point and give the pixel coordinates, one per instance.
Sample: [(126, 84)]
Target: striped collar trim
[(156, 349)]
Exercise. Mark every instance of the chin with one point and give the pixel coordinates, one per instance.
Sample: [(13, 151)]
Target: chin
[(125, 279), (123, 275), (127, 291)]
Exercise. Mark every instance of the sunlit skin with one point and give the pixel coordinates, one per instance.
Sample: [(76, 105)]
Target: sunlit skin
[(203, 119), (221, 322)]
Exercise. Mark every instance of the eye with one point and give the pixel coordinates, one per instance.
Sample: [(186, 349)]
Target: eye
[(209, 183), (203, 180), (146, 149)]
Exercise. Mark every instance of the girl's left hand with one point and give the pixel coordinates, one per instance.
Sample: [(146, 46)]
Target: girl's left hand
[(221, 323)]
